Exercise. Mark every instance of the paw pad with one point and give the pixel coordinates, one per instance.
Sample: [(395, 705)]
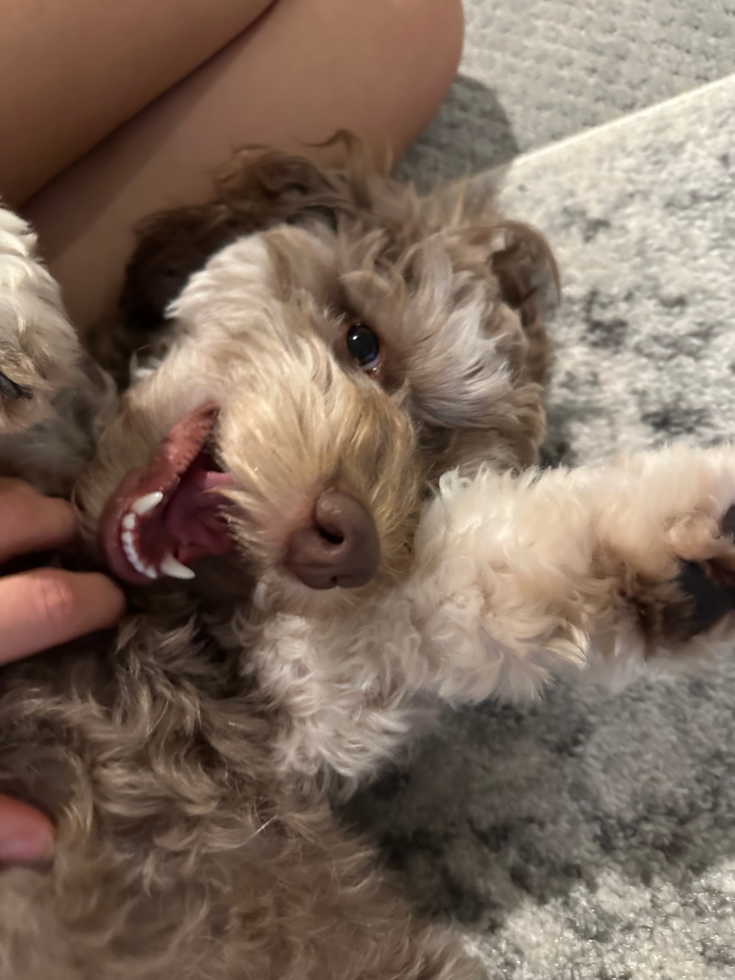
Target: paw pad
[(728, 523), (710, 594), (709, 601)]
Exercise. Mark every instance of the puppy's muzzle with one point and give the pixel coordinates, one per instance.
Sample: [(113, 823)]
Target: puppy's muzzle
[(337, 546)]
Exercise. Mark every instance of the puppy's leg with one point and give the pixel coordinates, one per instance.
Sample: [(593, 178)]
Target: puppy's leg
[(614, 567), (39, 349)]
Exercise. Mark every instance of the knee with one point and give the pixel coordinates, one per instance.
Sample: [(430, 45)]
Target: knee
[(393, 61), (431, 36), (428, 40)]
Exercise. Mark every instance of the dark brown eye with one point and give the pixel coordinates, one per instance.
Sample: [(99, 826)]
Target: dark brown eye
[(364, 346)]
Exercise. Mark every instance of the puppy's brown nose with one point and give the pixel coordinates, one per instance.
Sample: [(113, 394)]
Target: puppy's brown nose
[(338, 546)]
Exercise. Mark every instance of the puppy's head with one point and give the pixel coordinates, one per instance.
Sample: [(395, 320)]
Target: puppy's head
[(347, 343)]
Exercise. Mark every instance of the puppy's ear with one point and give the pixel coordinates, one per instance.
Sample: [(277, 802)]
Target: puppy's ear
[(529, 283), (260, 188)]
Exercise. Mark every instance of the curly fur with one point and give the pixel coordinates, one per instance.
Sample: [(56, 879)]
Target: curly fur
[(191, 757), (48, 437)]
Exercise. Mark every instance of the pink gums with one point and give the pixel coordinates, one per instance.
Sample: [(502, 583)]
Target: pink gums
[(188, 523)]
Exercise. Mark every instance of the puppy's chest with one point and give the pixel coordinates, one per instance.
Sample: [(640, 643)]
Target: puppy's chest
[(340, 708)]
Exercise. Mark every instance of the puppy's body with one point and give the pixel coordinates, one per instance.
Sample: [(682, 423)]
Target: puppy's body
[(190, 758)]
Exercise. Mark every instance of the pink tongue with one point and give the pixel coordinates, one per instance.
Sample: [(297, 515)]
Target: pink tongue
[(194, 515)]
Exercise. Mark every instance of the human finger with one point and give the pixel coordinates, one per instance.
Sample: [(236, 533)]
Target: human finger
[(31, 522), (48, 606), (26, 834)]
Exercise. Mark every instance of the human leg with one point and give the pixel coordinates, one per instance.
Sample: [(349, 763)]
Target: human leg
[(306, 69), (73, 72)]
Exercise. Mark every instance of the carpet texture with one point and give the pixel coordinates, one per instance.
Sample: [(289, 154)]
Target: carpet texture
[(591, 836), (537, 71)]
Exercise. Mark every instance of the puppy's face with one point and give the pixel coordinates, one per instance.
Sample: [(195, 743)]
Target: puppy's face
[(319, 376)]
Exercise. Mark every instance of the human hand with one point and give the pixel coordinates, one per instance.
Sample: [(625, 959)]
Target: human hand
[(40, 609)]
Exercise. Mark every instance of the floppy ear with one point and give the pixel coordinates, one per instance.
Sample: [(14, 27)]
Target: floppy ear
[(259, 189), (529, 283), (522, 281)]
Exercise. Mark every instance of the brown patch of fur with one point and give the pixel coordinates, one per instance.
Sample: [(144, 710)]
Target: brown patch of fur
[(515, 265), (222, 874)]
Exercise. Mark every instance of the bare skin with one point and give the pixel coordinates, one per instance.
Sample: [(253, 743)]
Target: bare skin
[(125, 54), (41, 609), (304, 70), (112, 111)]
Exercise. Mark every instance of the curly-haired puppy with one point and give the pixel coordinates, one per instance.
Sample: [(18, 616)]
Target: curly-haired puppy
[(317, 488)]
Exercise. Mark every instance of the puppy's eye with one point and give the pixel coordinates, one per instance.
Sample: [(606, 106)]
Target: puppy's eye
[(364, 346)]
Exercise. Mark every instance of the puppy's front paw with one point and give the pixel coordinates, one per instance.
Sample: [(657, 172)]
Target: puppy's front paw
[(707, 581), (39, 349), (672, 521)]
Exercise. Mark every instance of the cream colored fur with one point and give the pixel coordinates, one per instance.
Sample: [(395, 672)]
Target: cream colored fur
[(47, 438), (191, 759)]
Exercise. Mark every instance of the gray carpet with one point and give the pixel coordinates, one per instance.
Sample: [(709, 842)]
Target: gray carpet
[(592, 837), (537, 71)]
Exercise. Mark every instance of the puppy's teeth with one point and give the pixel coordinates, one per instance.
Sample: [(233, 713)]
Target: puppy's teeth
[(129, 522), (170, 566), (150, 572), (144, 505)]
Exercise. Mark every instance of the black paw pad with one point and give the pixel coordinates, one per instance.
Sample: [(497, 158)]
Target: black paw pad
[(12, 390), (728, 523), (708, 601)]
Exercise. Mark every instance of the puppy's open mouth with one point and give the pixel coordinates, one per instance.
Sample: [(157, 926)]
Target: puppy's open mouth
[(164, 516)]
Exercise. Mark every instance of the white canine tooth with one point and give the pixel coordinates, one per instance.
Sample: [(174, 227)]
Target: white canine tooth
[(129, 521), (150, 572), (134, 559), (144, 505), (170, 566), (127, 537)]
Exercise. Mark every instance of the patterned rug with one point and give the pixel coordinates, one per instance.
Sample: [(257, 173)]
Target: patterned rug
[(592, 836)]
